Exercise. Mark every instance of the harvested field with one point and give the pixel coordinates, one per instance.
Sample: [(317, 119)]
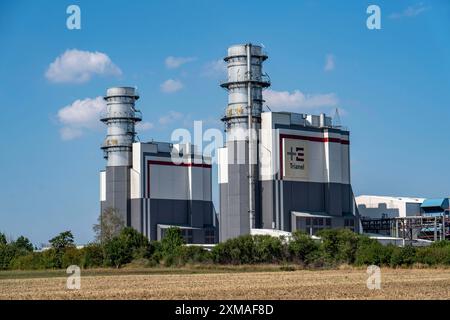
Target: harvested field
[(300, 284)]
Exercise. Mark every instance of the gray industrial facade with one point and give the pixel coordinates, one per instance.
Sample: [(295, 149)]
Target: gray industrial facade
[(291, 173), (146, 186), (297, 176)]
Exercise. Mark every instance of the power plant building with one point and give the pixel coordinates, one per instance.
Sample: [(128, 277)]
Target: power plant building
[(297, 175), (154, 185), (278, 171)]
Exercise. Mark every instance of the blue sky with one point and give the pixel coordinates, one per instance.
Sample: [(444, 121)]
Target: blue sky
[(392, 86)]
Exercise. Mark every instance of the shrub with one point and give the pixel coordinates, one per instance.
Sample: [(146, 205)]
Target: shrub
[(371, 252), (117, 253), (121, 249), (92, 256), (267, 249), (403, 256), (195, 254), (234, 251), (171, 247), (71, 256), (31, 261), (339, 245), (52, 259), (437, 253), (248, 249), (301, 247)]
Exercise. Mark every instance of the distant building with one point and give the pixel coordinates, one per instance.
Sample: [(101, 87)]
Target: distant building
[(377, 207), (435, 207)]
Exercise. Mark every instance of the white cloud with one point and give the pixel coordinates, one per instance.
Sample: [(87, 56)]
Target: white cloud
[(171, 117), (78, 66), (80, 116), (144, 126), (329, 63), (297, 100), (170, 86), (411, 11), (176, 62), (215, 68)]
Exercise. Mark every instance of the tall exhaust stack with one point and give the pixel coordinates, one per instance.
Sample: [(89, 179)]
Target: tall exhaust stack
[(120, 118), (240, 197)]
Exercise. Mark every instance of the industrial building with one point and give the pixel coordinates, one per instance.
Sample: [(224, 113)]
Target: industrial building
[(411, 219), (377, 207), (144, 185), (291, 173)]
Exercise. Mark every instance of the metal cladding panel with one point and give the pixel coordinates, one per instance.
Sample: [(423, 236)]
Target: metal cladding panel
[(118, 191), (278, 201), (268, 204), (345, 154), (169, 182), (200, 183), (137, 214), (234, 215)]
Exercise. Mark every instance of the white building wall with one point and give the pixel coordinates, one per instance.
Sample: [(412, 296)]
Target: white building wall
[(102, 185), (376, 206), (222, 159)]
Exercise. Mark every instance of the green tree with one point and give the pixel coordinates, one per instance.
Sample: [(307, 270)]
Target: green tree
[(117, 253), (7, 254), (109, 225), (172, 241), (123, 248), (24, 244), (3, 239), (171, 249), (62, 241)]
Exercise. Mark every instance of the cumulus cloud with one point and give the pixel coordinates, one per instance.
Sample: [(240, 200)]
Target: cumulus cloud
[(215, 68), (297, 100), (411, 11), (76, 66), (171, 117), (176, 62), (329, 63), (80, 116), (171, 85)]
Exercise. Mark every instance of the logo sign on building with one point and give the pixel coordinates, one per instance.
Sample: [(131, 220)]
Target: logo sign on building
[(295, 165)]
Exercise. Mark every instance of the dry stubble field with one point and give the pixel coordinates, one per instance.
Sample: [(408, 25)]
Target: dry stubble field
[(301, 284)]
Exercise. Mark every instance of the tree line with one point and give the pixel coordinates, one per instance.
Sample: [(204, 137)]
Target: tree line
[(116, 246)]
